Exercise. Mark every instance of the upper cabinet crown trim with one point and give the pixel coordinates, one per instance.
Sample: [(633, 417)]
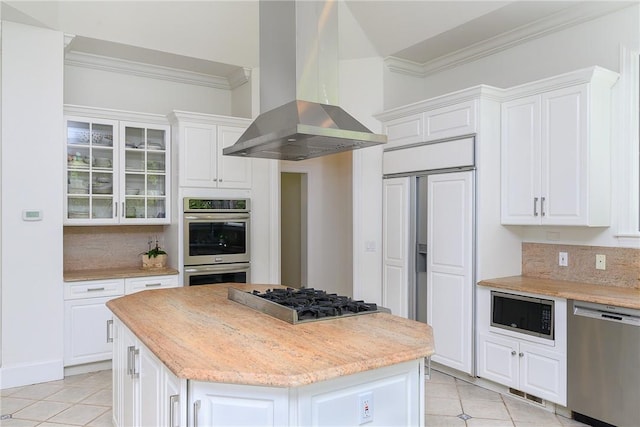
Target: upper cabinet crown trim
[(98, 62), (111, 114), (177, 116)]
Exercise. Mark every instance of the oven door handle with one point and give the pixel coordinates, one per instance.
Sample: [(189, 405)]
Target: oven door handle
[(218, 268), (217, 217)]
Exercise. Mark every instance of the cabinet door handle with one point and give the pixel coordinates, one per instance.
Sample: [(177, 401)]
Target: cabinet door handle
[(122, 210), (535, 206), (513, 352), (135, 372), (542, 206), (152, 285), (115, 210), (196, 409), (173, 399), (129, 364), (521, 354), (110, 330)]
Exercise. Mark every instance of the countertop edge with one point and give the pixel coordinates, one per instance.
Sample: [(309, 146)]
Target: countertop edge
[(599, 294), (115, 273)]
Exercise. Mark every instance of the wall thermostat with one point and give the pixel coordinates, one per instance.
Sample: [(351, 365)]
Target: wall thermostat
[(31, 215)]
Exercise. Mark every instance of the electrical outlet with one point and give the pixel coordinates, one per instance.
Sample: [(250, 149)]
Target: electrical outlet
[(365, 408), (601, 262), (563, 259)]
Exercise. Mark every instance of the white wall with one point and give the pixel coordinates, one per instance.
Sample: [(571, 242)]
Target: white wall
[(360, 96), (32, 178), (105, 89), (329, 230), (596, 42)]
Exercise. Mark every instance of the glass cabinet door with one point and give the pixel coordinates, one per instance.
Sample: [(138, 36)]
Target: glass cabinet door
[(145, 173), (91, 161)]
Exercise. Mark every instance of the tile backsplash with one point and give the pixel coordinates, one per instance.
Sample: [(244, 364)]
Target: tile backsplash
[(88, 248), (622, 264)]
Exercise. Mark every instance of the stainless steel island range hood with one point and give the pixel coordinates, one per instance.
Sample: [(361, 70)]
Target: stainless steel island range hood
[(298, 84)]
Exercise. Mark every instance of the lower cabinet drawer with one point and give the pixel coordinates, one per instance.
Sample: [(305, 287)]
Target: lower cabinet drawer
[(93, 289), (150, 282)]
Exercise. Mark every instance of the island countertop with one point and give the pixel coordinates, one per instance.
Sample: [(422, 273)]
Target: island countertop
[(201, 335), (612, 295)]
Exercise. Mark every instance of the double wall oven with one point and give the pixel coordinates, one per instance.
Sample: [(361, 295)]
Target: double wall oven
[(216, 241)]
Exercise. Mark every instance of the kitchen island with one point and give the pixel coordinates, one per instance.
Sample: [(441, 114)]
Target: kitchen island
[(191, 355)]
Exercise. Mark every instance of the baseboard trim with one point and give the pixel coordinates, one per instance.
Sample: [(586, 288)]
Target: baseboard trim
[(87, 367), (31, 373)]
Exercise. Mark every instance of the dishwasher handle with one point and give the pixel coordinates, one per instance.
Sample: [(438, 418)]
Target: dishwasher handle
[(627, 316)]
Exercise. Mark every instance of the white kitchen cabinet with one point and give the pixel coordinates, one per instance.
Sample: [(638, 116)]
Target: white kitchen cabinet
[(87, 320), (200, 139), (146, 393), (534, 365), (88, 329), (117, 171), (533, 368), (454, 119), (555, 152)]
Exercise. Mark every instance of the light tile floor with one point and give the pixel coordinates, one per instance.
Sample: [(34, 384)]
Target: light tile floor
[(453, 402), (78, 400), (85, 400)]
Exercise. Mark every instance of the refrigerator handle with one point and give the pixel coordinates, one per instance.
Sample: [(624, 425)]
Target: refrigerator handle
[(421, 258)]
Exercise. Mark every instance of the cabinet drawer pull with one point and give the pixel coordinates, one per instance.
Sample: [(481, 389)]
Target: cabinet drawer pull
[(152, 285), (95, 289), (542, 206), (535, 206), (110, 330)]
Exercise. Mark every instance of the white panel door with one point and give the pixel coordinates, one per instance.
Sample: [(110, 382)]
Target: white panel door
[(564, 156), (395, 229), (233, 171), (86, 326), (543, 373), (450, 268), (498, 360), (520, 161), (198, 153)]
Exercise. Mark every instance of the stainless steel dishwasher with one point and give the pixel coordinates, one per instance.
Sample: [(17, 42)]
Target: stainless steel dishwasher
[(603, 363)]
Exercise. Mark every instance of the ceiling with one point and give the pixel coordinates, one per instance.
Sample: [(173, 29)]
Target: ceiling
[(217, 37)]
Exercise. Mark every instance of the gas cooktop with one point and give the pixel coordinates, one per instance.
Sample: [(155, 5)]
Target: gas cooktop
[(303, 305)]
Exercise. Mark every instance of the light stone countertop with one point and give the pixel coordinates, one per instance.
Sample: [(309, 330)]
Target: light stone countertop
[(201, 335), (115, 273), (601, 294)]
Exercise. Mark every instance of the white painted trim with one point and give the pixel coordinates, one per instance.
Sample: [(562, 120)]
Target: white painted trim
[(31, 373), (453, 98), (116, 65), (559, 21), (628, 163), (177, 116), (274, 214), (356, 226), (111, 114)]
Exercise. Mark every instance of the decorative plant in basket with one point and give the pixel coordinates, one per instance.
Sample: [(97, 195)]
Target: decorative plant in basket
[(155, 257)]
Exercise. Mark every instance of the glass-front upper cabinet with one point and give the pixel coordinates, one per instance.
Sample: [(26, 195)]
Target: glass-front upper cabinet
[(146, 181), (91, 155), (117, 172)]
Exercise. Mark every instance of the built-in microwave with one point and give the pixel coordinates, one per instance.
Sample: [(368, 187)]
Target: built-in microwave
[(521, 313), (216, 231)]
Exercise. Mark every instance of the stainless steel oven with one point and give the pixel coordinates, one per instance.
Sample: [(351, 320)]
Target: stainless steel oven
[(216, 231), (221, 273)]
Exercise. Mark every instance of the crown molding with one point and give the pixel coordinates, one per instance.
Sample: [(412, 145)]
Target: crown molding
[(103, 63), (113, 114), (537, 29)]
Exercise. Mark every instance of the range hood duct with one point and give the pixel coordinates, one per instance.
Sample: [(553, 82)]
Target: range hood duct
[(298, 84)]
